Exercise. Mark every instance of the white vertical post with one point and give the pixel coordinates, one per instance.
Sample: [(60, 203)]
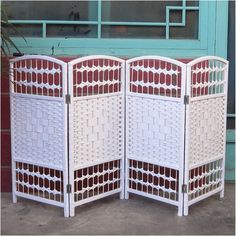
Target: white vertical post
[(71, 135), (122, 166), (65, 171), (187, 138), (225, 122), (127, 90), (13, 163), (182, 162)]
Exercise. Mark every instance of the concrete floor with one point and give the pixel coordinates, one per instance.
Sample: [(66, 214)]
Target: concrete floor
[(113, 216)]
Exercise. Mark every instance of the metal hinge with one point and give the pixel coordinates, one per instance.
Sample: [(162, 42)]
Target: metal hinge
[(68, 99), (68, 188), (186, 99), (184, 188)]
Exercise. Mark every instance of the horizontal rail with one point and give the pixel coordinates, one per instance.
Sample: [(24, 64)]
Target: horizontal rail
[(54, 22), (40, 199)]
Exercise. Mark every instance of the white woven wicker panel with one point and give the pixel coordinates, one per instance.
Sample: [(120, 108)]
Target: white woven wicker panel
[(207, 129), (97, 130), (207, 79), (153, 133), (96, 84), (155, 109), (37, 130)]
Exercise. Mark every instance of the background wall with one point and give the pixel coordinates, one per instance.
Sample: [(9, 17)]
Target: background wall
[(230, 152), (230, 148)]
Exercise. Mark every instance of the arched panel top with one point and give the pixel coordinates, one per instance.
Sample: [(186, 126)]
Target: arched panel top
[(94, 57), (96, 75), (42, 57), (207, 76), (160, 58), (155, 75), (205, 58), (38, 75)]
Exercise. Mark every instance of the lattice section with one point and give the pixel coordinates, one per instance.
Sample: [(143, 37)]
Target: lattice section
[(96, 76), (96, 180), (155, 77), (98, 130), (37, 130), (39, 181), (153, 179), (154, 131), (208, 77), (38, 77), (205, 178), (207, 125)]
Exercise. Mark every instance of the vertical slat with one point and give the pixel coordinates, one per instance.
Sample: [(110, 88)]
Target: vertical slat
[(99, 19)]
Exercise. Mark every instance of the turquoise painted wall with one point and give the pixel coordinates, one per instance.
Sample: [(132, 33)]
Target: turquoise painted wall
[(230, 155)]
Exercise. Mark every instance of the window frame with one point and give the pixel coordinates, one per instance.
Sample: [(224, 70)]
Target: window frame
[(213, 21)]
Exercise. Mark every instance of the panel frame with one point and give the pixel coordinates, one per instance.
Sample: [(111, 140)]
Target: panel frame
[(15, 193), (187, 168), (72, 166), (180, 100)]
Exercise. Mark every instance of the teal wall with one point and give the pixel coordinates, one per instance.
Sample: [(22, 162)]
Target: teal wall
[(230, 155), (230, 147)]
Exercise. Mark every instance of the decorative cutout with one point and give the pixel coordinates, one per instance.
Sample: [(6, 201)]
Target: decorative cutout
[(205, 179), (96, 76), (37, 85), (96, 180), (38, 181), (37, 71), (208, 77), (98, 68), (37, 76), (153, 179), (155, 77)]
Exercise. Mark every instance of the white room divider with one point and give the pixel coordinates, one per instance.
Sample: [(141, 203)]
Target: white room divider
[(151, 126)]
